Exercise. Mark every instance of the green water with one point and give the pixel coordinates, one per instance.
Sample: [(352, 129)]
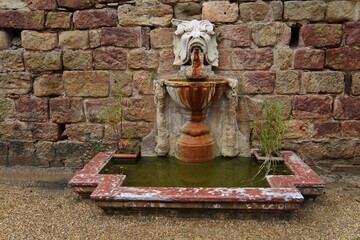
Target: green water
[(170, 172)]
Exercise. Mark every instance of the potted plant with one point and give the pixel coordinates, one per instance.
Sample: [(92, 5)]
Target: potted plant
[(112, 112), (270, 132)]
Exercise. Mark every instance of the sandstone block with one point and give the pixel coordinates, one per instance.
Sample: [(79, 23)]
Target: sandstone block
[(326, 129), (256, 11), (44, 131), (58, 20), (141, 58), (38, 41), (351, 128), (3, 153), (84, 131), (284, 57), (285, 102), (340, 11), (22, 153), (5, 40), (269, 34), (32, 109), (220, 11), (12, 60), (177, 1), (162, 38), (321, 35), (110, 58), (86, 83), (76, 4), (15, 83), (277, 10), (343, 58), (77, 60), (313, 11), (129, 37), (95, 18), (93, 110), (48, 85), (42, 4), (187, 11), (352, 33), (355, 89), (121, 83), (143, 81), (257, 82), (309, 59), (151, 13), (296, 129), (43, 61), (7, 109), (15, 130), (12, 4), (312, 107), (347, 107), (233, 35), (74, 40), (70, 154), (66, 110), (288, 82), (142, 108), (166, 66), (21, 19), (45, 153), (250, 108), (323, 82)]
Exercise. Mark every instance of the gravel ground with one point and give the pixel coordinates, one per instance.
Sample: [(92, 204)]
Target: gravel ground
[(36, 204)]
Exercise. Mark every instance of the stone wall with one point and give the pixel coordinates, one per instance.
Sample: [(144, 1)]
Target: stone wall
[(59, 60)]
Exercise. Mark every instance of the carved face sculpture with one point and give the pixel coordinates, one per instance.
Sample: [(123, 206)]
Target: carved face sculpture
[(195, 34)]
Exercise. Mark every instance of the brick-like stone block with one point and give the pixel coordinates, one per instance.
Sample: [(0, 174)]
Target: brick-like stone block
[(12, 4), (313, 11), (296, 129), (355, 88), (110, 58), (45, 153), (121, 83), (33, 40), (42, 4), (15, 130), (177, 1), (32, 109), (312, 59), (257, 82), (84, 131), (86, 83), (70, 154), (285, 102), (5, 40), (76, 4), (187, 11), (166, 66), (143, 81), (7, 109), (351, 128), (250, 107), (277, 10), (74, 40), (245, 59), (256, 11), (12, 60), (142, 108), (220, 11), (312, 107), (22, 153), (340, 11), (326, 129), (151, 13), (347, 107), (21, 19), (284, 57), (66, 110), (44, 131), (95, 18), (230, 36), (93, 110), (162, 38), (269, 34), (43, 61), (128, 37), (77, 60), (48, 85), (4, 148), (141, 58), (343, 58), (352, 33), (58, 20), (323, 82), (321, 35), (288, 82), (15, 83)]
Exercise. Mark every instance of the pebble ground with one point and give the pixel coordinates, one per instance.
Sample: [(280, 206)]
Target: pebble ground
[(37, 204)]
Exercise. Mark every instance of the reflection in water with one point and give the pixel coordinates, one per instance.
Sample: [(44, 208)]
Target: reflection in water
[(170, 172)]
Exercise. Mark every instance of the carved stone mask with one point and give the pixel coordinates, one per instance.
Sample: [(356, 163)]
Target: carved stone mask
[(195, 34)]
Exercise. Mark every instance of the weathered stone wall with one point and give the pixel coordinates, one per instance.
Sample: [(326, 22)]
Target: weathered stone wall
[(59, 60)]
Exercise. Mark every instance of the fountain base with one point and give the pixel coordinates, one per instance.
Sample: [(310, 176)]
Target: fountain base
[(195, 149)]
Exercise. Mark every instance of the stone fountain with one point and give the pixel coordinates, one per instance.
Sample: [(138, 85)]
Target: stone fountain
[(196, 110)]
